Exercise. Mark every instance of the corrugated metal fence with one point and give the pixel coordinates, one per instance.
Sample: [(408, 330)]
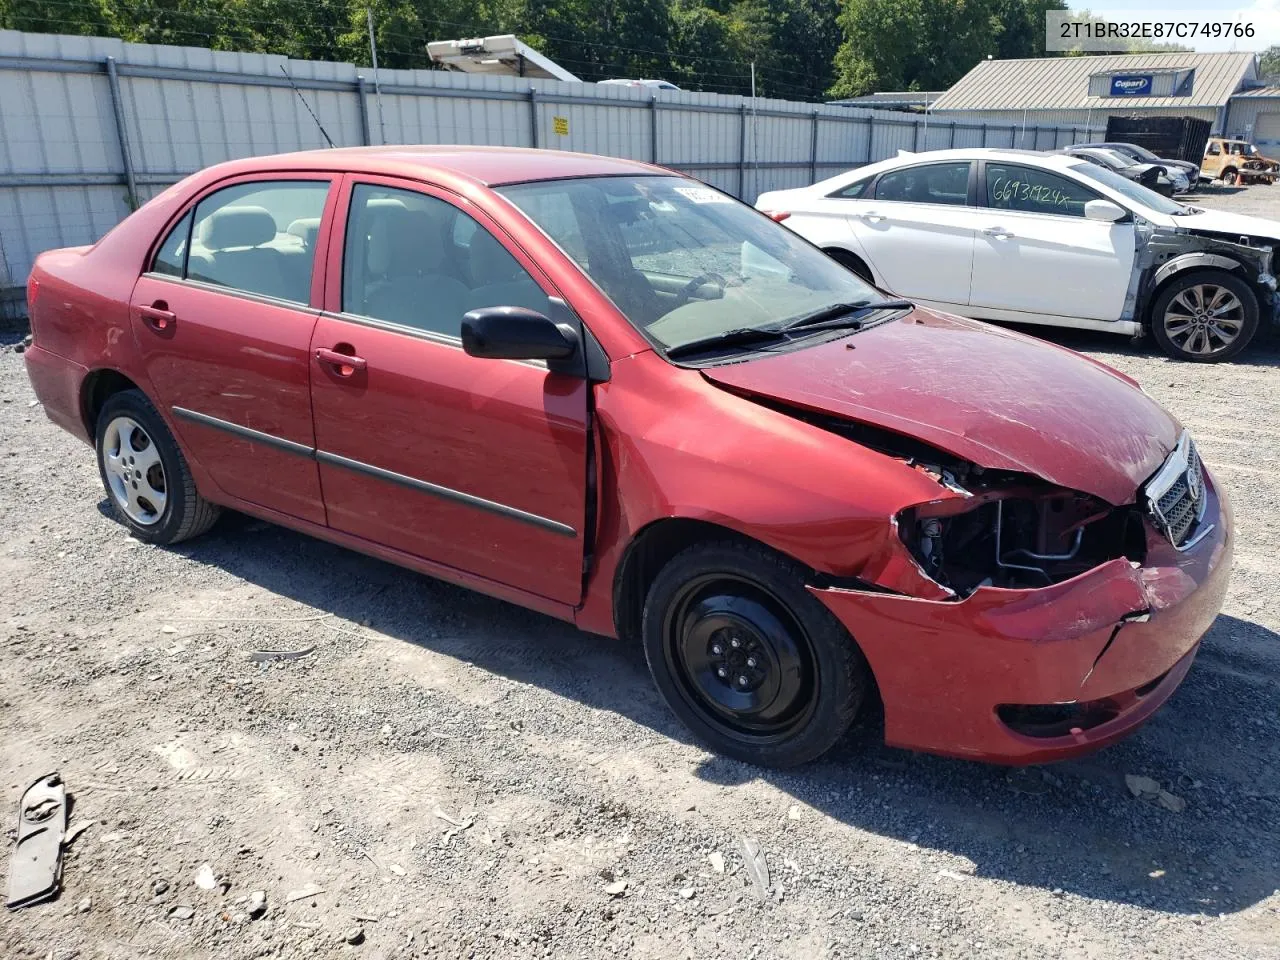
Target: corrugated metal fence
[(90, 127)]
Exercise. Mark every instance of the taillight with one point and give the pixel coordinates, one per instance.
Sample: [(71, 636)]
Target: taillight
[(33, 290), (777, 216)]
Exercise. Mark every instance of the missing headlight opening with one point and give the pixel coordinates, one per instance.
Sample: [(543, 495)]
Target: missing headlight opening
[(1020, 538)]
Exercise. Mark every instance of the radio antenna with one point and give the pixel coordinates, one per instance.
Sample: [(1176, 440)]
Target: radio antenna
[(307, 105)]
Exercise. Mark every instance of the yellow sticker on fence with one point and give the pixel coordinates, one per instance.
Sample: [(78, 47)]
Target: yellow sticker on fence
[(560, 125)]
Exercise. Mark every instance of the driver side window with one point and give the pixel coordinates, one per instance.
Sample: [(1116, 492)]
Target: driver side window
[(404, 264)]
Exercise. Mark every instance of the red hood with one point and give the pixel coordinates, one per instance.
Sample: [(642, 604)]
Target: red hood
[(996, 398)]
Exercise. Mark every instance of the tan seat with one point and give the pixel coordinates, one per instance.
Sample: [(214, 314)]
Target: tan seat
[(406, 279), (234, 254)]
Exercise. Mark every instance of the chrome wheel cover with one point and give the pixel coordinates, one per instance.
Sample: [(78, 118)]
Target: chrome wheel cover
[(135, 475)]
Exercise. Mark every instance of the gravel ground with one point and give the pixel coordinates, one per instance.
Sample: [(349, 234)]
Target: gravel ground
[(450, 776)]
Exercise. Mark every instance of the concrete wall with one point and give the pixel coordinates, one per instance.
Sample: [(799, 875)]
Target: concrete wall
[(90, 126)]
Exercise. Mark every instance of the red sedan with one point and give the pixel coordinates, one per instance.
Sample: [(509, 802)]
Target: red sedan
[(622, 398)]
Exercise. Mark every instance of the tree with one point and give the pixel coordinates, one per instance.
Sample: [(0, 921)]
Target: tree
[(912, 44), (599, 39), (1269, 62), (1023, 32), (78, 17)]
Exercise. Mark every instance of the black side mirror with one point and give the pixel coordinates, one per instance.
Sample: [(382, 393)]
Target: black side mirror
[(517, 333)]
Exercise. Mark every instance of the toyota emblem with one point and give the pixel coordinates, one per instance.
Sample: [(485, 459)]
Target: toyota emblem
[(1194, 489)]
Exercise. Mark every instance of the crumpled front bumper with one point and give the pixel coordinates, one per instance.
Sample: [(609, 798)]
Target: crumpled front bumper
[(1118, 634)]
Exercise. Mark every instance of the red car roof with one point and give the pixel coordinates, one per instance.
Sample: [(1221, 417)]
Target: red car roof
[(485, 165)]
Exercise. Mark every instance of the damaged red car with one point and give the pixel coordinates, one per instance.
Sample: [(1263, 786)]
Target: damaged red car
[(617, 396)]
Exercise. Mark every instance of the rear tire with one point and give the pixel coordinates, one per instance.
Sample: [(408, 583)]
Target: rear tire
[(1204, 316), (145, 474), (751, 662)]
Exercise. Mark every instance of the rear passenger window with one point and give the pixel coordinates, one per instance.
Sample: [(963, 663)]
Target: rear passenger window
[(171, 258), (417, 261), (1035, 191), (854, 190), (946, 183), (259, 237)]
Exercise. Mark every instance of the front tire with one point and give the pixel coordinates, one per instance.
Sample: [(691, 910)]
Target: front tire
[(1204, 316), (753, 664), (145, 474)]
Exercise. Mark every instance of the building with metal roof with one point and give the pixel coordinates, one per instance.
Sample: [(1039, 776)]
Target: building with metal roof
[(1255, 115), (1086, 90), (909, 100)]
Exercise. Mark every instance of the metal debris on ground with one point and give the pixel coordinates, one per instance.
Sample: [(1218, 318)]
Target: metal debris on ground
[(757, 867), (35, 869)]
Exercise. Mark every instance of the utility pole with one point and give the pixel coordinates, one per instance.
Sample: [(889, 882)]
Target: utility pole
[(755, 131), (377, 88)]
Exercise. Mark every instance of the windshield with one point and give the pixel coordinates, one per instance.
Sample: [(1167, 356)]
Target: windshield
[(683, 261), (1142, 153), (1133, 191)]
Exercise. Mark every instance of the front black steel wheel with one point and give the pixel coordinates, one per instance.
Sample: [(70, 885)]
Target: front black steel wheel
[(738, 655), (747, 658)]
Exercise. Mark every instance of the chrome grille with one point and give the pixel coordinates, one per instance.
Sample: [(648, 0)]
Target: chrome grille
[(1176, 494)]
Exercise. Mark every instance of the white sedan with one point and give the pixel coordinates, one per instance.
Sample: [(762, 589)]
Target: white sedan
[(1027, 237)]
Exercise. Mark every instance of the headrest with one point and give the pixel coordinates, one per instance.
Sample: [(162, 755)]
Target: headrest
[(237, 227), (404, 241), (490, 261), (305, 229)]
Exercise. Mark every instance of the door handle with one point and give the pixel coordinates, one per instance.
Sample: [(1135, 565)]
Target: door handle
[(344, 364), (158, 316), (1000, 233), (871, 216)]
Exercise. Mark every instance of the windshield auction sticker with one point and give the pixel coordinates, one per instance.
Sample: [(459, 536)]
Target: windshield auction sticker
[(702, 195), (1132, 31)]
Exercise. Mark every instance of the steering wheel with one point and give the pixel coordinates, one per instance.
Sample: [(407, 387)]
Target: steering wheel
[(692, 287)]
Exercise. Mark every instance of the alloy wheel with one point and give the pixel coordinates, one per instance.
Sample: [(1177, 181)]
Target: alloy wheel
[(134, 471), (1204, 319), (740, 658)]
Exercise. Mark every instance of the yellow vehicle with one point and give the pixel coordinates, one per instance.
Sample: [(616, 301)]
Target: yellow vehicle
[(1237, 161)]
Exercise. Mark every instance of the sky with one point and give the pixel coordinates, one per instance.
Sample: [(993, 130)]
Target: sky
[(1264, 14)]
